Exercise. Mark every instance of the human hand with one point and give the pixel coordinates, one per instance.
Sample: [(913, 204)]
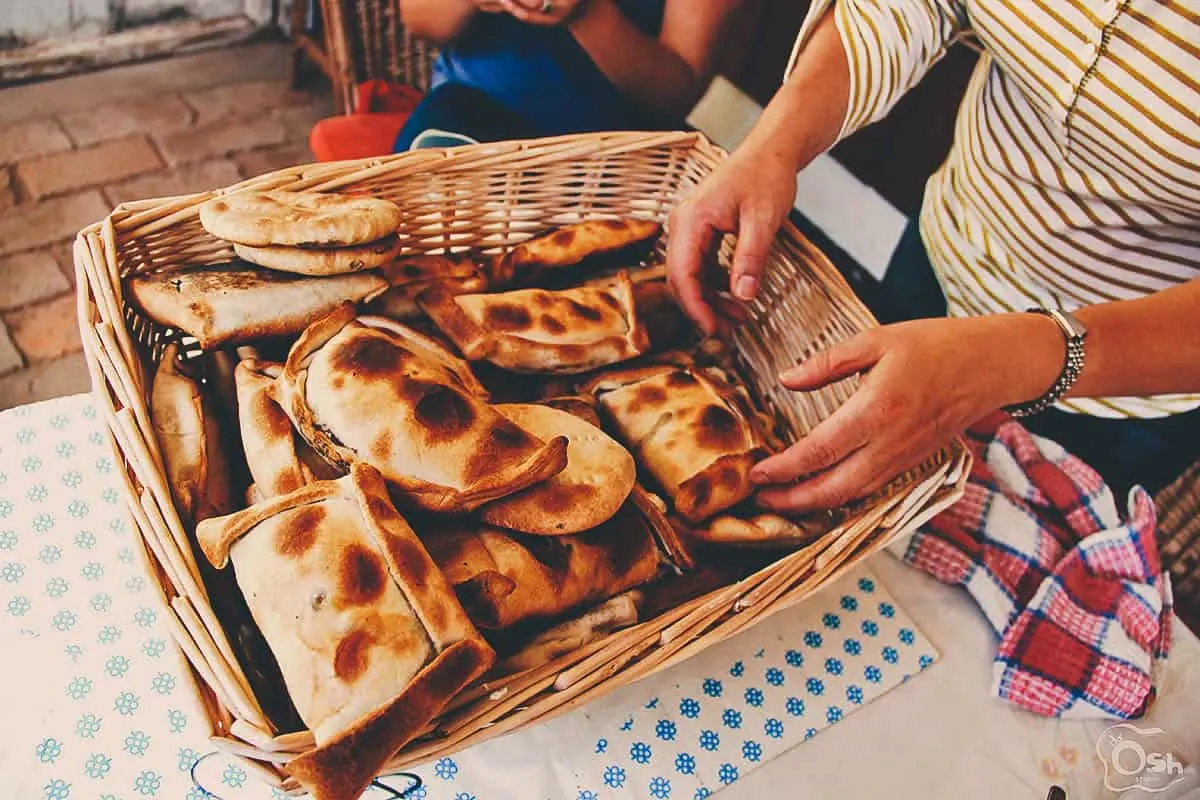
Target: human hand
[(924, 383), (542, 12), (750, 195)]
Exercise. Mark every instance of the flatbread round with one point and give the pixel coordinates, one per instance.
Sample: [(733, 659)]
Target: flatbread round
[(321, 261), (599, 476), (260, 219)]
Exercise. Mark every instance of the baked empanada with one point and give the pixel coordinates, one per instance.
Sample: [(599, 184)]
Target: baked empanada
[(693, 430), (236, 302), (369, 637), (535, 330), (571, 245), (412, 276), (280, 461), (759, 530), (599, 476), (372, 390), (197, 466), (504, 578)]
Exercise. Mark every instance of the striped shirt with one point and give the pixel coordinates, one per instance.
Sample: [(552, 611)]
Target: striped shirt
[(1074, 177)]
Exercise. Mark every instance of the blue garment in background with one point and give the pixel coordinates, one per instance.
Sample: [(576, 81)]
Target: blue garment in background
[(543, 75)]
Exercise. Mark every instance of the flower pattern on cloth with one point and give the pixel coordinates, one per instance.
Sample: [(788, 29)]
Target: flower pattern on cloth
[(112, 714)]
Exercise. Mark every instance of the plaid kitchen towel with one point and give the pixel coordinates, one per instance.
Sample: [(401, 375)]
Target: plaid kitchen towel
[(1074, 591)]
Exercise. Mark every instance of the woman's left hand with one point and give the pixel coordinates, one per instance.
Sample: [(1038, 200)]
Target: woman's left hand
[(923, 383), (542, 12)]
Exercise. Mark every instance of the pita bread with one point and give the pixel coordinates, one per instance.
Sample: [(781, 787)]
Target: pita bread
[(598, 478), (372, 390), (759, 530), (571, 245), (693, 431), (504, 578), (262, 219), (534, 330), (594, 624), (369, 638), (186, 424), (321, 261), (236, 303)]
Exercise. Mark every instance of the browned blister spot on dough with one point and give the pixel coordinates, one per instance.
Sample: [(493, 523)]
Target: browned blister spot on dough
[(442, 412), (409, 557), (555, 498), (269, 416), (551, 325), (368, 356), (680, 379), (507, 317), (381, 447), (505, 444), (299, 531), (718, 429), (352, 655), (362, 576), (699, 492), (583, 312), (649, 395)]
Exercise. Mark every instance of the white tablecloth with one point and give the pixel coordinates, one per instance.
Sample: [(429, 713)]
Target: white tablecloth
[(97, 709)]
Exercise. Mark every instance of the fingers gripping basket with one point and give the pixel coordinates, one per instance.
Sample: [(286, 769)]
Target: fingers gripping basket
[(489, 196)]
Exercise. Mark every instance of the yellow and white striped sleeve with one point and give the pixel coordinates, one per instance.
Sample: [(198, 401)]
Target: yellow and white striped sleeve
[(889, 44)]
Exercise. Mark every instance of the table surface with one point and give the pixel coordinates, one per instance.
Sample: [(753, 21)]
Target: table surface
[(940, 735)]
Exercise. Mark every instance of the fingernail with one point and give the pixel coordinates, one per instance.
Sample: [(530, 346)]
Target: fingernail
[(759, 476), (790, 374), (746, 287)]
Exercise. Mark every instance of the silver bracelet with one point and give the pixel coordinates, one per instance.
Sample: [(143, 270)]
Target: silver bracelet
[(1074, 332)]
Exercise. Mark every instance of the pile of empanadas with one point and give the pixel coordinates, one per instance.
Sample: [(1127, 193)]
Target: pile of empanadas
[(414, 463)]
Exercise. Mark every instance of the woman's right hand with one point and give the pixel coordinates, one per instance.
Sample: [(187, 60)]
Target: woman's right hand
[(750, 195)]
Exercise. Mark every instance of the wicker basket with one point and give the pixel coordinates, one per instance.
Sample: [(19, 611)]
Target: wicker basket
[(489, 196)]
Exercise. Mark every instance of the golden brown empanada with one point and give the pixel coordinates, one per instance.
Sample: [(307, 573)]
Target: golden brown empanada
[(369, 637), (271, 444), (760, 530), (535, 330), (411, 276), (189, 435), (237, 302), (570, 245), (503, 578), (694, 431), (599, 476), (372, 390)]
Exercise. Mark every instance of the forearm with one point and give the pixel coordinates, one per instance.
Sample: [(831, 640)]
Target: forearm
[(639, 65), (439, 21), (1140, 348), (803, 119)]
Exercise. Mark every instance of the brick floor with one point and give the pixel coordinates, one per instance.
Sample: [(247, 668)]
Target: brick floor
[(72, 149)]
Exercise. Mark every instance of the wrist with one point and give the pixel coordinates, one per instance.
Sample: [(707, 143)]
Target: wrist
[(1022, 353), (1051, 360)]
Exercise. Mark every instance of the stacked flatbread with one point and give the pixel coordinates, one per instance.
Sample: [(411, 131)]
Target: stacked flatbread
[(305, 232), (437, 445)]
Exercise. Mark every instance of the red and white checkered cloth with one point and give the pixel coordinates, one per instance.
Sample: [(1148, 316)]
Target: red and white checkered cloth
[(1074, 591)]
